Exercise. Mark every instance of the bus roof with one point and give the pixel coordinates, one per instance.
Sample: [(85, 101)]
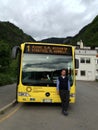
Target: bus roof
[(41, 43)]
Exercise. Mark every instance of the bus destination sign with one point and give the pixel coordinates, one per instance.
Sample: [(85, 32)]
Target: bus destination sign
[(47, 49)]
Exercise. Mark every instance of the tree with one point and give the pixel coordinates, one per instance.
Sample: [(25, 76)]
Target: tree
[(4, 57)]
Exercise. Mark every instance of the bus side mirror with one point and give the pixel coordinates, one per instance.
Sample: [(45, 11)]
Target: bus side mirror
[(15, 51), (76, 63)]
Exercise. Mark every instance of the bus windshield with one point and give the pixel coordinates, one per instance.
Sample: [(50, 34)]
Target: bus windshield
[(44, 69)]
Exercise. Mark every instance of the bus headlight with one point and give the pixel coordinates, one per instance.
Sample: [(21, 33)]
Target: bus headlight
[(23, 94)]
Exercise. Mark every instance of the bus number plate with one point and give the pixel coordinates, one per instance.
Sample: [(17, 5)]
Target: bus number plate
[(47, 100)]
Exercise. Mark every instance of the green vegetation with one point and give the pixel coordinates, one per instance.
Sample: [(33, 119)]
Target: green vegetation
[(5, 62), (89, 34), (57, 40), (10, 35)]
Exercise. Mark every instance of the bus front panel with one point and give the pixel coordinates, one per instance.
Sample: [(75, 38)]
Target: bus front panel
[(40, 68)]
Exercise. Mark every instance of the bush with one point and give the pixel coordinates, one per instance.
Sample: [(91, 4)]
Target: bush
[(6, 79), (8, 67)]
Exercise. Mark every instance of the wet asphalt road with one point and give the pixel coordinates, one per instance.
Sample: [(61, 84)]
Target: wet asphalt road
[(83, 115)]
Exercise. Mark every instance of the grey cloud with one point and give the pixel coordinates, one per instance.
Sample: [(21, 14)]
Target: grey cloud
[(48, 18)]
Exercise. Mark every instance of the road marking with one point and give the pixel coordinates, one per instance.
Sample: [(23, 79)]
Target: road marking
[(7, 106), (10, 114)]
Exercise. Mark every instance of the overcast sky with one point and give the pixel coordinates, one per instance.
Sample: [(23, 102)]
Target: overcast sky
[(49, 18)]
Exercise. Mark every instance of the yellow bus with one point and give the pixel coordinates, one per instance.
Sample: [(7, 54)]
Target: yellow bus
[(39, 67)]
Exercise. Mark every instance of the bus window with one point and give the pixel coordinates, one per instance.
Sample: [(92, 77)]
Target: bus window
[(44, 69)]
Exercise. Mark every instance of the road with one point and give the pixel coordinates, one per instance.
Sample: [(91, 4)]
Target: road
[(82, 116), (7, 94)]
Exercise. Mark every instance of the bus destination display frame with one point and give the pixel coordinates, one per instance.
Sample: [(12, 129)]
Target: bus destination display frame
[(47, 49)]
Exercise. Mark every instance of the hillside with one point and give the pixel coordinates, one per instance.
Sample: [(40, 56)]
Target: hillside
[(89, 35), (11, 34), (57, 40)]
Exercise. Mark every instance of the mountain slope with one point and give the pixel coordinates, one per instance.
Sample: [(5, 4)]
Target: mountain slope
[(57, 40), (89, 34), (9, 33)]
